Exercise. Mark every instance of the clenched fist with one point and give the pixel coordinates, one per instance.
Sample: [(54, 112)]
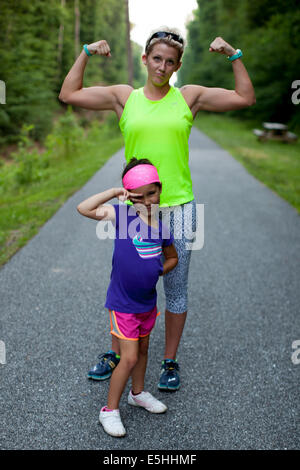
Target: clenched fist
[(100, 48), (222, 47)]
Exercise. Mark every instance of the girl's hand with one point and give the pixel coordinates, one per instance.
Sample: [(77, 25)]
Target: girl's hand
[(100, 48), (123, 195), (222, 47)]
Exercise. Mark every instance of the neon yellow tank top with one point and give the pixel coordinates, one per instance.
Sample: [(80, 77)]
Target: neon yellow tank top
[(159, 130)]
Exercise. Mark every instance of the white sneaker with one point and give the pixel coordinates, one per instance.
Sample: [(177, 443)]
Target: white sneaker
[(111, 422), (147, 401)]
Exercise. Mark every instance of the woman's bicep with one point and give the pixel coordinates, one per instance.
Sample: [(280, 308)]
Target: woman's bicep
[(95, 97), (201, 98), (110, 98), (219, 99)]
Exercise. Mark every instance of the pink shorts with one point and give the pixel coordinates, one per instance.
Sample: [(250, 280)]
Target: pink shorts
[(132, 326)]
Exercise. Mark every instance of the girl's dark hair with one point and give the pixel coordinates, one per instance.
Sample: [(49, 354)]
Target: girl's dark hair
[(137, 161)]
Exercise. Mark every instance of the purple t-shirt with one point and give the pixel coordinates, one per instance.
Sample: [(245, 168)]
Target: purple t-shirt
[(136, 262)]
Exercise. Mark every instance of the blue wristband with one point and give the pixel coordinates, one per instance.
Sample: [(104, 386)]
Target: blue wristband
[(236, 56), (86, 50)]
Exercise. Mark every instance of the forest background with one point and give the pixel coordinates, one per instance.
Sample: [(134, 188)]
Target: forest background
[(41, 39), (48, 150)]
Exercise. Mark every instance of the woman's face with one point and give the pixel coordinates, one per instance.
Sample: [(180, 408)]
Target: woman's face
[(161, 63)]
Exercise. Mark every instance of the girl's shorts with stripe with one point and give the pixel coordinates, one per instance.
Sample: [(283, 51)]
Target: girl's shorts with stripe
[(132, 326), (182, 222)]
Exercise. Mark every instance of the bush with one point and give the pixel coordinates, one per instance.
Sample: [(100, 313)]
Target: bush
[(67, 137), (30, 163)]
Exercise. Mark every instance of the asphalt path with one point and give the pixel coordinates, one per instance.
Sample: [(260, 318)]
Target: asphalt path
[(240, 387)]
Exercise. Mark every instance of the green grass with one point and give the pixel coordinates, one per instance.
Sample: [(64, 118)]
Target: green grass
[(24, 208), (276, 164), (73, 155)]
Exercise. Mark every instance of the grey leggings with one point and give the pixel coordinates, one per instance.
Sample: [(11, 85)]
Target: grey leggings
[(182, 223)]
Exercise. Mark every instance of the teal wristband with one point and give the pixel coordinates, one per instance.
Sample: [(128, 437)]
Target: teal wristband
[(86, 50), (236, 56)]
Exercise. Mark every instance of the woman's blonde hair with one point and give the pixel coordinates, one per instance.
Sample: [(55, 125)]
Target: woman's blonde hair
[(167, 40)]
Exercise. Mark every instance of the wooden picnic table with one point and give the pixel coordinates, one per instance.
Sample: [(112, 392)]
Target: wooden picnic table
[(275, 131)]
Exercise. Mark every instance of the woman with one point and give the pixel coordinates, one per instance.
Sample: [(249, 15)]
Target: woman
[(156, 122)]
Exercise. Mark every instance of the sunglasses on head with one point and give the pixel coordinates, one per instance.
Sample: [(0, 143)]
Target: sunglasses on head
[(165, 34)]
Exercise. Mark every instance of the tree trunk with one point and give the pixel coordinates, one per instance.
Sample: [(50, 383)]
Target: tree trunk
[(60, 39), (129, 49), (77, 28)]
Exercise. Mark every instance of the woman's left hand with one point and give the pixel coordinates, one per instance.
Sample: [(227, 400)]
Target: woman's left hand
[(222, 47)]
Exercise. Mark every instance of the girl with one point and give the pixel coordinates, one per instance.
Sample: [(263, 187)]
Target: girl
[(131, 297), (156, 121)]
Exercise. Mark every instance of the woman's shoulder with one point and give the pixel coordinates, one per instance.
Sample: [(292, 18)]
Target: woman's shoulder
[(190, 92), (122, 92), (130, 92)]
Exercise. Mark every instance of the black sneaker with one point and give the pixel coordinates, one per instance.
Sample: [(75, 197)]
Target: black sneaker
[(169, 377), (104, 369)]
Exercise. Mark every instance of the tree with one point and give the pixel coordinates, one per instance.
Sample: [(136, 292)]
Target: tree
[(39, 41), (268, 32), (129, 48), (77, 28), (60, 38), (28, 34)]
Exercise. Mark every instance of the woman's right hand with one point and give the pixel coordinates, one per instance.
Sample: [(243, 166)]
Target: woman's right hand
[(100, 48)]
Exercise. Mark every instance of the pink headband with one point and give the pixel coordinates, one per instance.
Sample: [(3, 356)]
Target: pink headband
[(140, 175)]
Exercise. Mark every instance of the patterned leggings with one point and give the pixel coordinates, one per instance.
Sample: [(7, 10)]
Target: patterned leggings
[(182, 223)]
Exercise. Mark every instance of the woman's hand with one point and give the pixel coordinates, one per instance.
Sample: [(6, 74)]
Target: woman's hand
[(100, 48), (222, 47)]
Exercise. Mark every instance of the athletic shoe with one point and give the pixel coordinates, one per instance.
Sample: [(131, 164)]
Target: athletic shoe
[(169, 377), (111, 422), (147, 401), (104, 369)]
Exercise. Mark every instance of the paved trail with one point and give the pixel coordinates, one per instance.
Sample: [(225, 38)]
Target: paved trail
[(240, 388)]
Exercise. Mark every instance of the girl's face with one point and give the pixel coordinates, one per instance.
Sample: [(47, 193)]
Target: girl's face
[(161, 63), (147, 199)]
